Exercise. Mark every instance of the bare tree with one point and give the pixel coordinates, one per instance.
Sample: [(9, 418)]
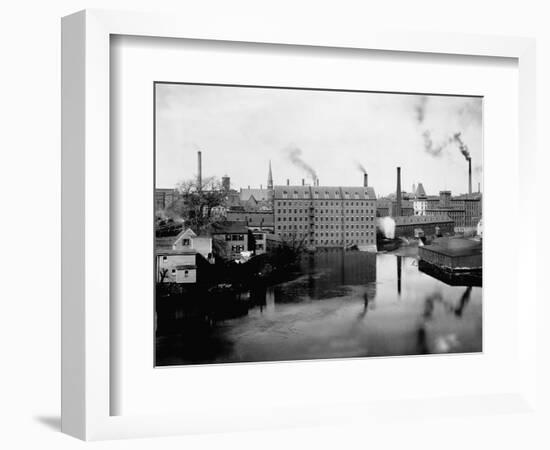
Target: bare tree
[(195, 203)]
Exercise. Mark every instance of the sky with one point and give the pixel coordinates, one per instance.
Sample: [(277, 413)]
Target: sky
[(240, 129)]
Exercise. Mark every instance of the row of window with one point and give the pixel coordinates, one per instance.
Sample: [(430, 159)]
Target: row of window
[(335, 241), (234, 237), (333, 203), (333, 234), (326, 219), (332, 227), (237, 248), (326, 211), (325, 194)]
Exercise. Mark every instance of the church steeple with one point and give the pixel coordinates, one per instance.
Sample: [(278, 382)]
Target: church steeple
[(269, 177)]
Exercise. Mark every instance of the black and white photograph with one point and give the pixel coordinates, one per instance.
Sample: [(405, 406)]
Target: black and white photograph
[(302, 224)]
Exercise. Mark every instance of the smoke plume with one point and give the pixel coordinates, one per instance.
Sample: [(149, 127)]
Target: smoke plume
[(462, 146), (387, 227), (360, 167), (420, 109), (295, 156), (430, 145)]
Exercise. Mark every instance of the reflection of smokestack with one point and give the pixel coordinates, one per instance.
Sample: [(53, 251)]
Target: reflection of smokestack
[(199, 176), (398, 193), (399, 275), (469, 176), (365, 180)]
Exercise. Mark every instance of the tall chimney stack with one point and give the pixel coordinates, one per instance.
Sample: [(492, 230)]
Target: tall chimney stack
[(398, 194), (199, 176), (469, 175), (478, 187), (365, 180), (287, 182), (303, 182)]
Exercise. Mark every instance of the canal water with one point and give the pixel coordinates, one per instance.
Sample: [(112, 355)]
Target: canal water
[(341, 304)]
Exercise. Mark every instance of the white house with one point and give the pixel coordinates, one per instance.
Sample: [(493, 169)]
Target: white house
[(175, 266), (177, 256), (188, 240)]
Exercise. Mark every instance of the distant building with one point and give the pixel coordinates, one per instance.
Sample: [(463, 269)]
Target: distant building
[(472, 206), (415, 226), (326, 216), (420, 201), (164, 198), (230, 238), (465, 210), (388, 207), (259, 195), (255, 219)]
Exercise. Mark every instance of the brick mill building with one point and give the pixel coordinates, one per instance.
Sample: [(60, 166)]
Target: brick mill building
[(326, 216)]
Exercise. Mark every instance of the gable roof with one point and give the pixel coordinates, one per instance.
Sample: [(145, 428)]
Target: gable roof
[(257, 194)]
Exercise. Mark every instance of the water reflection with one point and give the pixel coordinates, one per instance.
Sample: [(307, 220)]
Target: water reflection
[(341, 304)]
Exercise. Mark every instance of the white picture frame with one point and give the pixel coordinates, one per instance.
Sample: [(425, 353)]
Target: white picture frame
[(86, 323)]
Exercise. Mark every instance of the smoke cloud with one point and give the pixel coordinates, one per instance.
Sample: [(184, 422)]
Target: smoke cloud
[(420, 109), (295, 156), (430, 145), (462, 146), (387, 227), (360, 167)]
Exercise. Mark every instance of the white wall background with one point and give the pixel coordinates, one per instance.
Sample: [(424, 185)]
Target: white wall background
[(29, 227)]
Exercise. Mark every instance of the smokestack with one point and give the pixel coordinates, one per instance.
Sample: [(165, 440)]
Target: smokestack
[(199, 176), (303, 182), (365, 180), (398, 193), (478, 187), (287, 182), (469, 176)]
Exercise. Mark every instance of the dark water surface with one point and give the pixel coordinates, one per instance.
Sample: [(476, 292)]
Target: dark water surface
[(343, 304)]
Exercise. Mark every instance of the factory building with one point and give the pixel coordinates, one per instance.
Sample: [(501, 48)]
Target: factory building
[(465, 210), (326, 216), (164, 197)]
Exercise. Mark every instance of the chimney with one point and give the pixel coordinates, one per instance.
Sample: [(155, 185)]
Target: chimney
[(303, 182), (261, 187), (478, 187), (199, 176), (365, 180), (317, 181), (469, 175), (287, 182), (398, 194)]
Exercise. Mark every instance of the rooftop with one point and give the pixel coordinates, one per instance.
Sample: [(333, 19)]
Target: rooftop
[(228, 227), (455, 246), (259, 194), (414, 220), (325, 192)]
